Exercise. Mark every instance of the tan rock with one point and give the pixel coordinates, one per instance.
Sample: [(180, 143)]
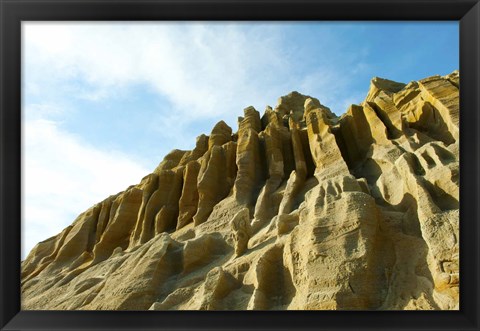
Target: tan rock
[(148, 185), (298, 176), (42, 255), (121, 226), (221, 133), (325, 152), (454, 78), (241, 230), (357, 212), (171, 160), (161, 210), (201, 146), (293, 104), (267, 204), (212, 184), (189, 200), (249, 171), (273, 284), (79, 239), (271, 117), (250, 119), (380, 85), (202, 250), (387, 111), (444, 96)]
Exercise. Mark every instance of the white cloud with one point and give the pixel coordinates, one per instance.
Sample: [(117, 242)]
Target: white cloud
[(63, 176), (201, 71), (185, 64)]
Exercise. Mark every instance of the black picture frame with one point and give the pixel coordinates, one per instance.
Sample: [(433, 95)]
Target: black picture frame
[(13, 12)]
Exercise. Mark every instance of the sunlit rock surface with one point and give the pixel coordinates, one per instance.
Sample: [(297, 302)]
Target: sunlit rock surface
[(297, 209)]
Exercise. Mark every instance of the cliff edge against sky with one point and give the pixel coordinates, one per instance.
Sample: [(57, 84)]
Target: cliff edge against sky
[(297, 209)]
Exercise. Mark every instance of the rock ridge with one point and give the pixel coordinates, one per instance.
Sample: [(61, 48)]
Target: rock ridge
[(297, 209)]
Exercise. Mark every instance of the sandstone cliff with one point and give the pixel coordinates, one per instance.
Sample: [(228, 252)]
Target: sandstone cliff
[(298, 209)]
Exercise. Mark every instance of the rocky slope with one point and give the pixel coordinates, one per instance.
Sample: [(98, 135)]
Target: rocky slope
[(298, 209)]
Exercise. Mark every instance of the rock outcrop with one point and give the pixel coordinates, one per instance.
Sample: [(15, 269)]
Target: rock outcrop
[(298, 209)]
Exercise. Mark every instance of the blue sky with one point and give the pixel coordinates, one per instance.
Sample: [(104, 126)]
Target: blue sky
[(104, 102)]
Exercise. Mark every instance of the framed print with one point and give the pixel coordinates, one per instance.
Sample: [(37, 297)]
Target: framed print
[(239, 165)]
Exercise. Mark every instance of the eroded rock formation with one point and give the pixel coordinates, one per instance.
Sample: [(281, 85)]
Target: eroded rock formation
[(298, 209)]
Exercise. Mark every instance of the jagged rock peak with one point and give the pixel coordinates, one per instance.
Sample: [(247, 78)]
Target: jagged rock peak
[(297, 209), (293, 103), (221, 133), (386, 86)]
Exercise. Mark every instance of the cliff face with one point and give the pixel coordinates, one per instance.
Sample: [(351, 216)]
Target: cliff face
[(298, 209)]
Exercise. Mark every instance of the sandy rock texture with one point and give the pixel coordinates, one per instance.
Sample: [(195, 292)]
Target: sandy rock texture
[(297, 209)]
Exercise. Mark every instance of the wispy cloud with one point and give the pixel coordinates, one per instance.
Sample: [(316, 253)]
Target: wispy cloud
[(63, 176), (201, 70)]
